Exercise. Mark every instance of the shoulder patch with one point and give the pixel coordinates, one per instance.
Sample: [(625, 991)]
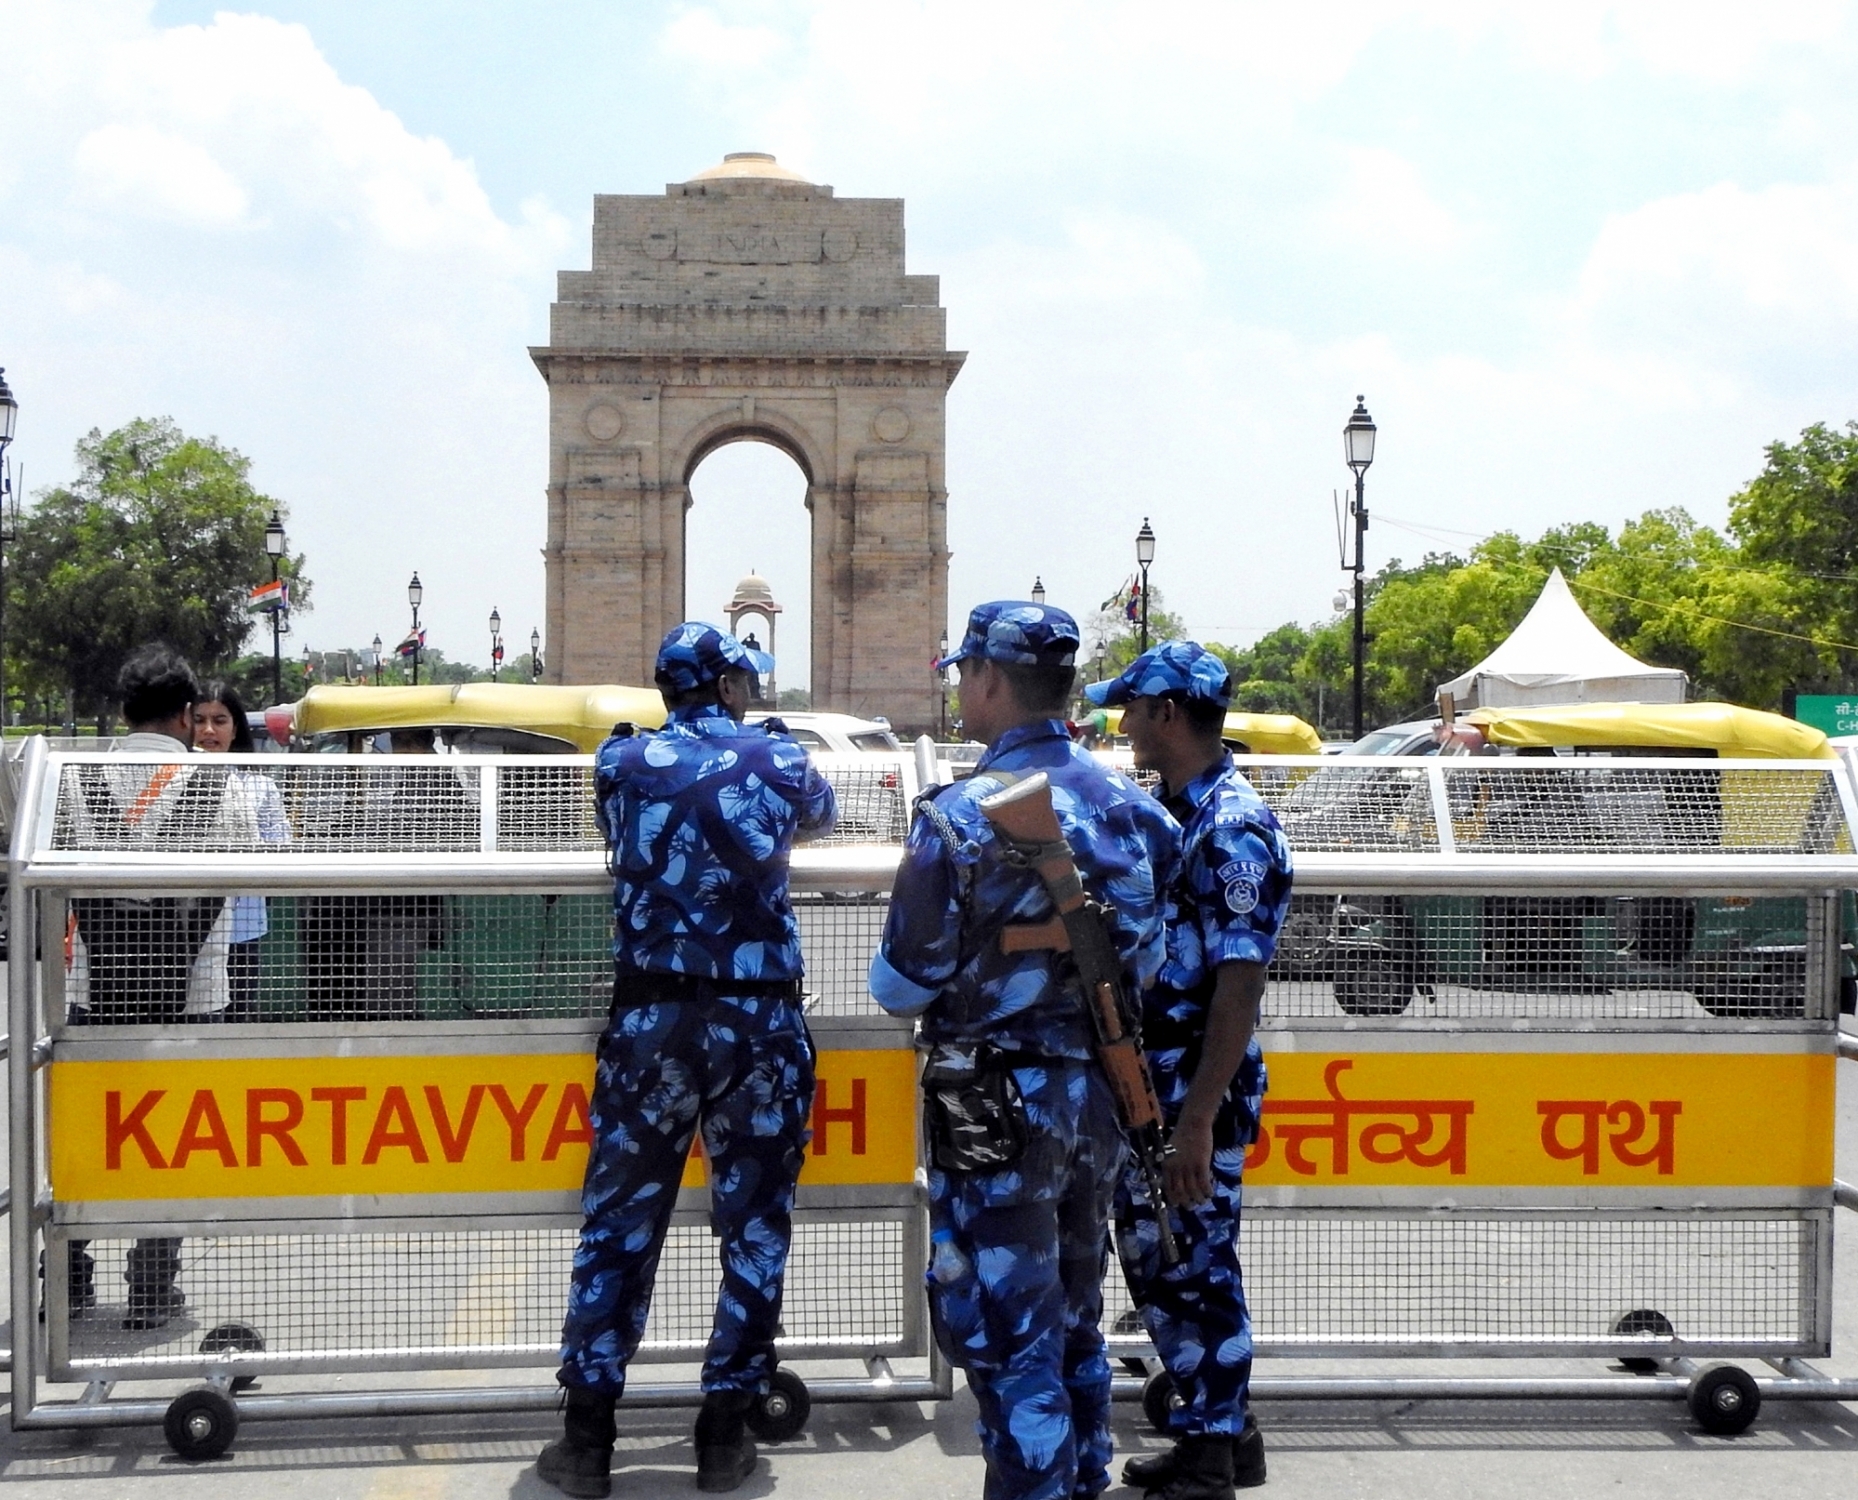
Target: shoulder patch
[(1242, 879)]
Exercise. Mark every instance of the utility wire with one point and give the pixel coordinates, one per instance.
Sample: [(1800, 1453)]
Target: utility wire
[(1685, 606)]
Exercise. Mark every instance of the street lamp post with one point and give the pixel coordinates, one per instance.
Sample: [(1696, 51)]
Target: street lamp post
[(1038, 590), (1144, 555), (274, 548), (377, 660), (1358, 448), (496, 642), (941, 700), (9, 520), (535, 655), (414, 593)]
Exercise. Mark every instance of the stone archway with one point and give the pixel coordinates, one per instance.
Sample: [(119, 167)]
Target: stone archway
[(750, 303)]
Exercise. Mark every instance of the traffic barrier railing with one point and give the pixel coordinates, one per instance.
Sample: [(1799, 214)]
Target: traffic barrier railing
[(1513, 1032), (370, 1160)]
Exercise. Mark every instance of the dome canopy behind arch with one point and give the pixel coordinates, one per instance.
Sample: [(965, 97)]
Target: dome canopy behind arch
[(754, 592), (759, 164)]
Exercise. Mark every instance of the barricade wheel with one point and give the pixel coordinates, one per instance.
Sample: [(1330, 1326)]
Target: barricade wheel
[(1159, 1399), (201, 1423), (236, 1338), (782, 1413), (1646, 1322), (1725, 1400)]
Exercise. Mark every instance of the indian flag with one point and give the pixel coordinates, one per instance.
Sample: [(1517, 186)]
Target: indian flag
[(269, 597)]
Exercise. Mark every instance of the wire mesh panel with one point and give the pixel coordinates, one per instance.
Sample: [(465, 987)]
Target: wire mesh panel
[(873, 806), (1355, 805), (1601, 805), (1549, 957), (155, 960), (547, 808), (1332, 1282), (474, 1297), (838, 935), (379, 805)]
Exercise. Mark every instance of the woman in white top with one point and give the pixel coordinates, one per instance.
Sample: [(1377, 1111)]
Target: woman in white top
[(221, 727)]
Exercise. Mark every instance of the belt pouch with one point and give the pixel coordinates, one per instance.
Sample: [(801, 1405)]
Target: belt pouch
[(975, 1113)]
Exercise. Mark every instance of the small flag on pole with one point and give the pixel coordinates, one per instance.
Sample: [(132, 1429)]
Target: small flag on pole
[(268, 598), (416, 641)]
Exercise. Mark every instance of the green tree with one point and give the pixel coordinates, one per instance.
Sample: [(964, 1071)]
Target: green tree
[(1797, 523), (160, 537)]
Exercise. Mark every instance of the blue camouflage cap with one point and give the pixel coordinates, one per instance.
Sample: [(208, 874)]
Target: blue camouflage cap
[(1012, 630), (695, 653), (1172, 667)]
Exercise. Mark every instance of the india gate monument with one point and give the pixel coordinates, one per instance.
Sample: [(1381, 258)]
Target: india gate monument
[(748, 303)]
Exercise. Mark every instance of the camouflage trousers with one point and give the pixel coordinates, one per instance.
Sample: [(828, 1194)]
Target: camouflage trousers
[(1016, 1288), (740, 1068), (1195, 1309)]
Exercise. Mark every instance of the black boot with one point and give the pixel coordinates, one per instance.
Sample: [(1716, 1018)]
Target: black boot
[(153, 1305), (725, 1456), (581, 1463), (1201, 1470), (1248, 1457), (1154, 1470)]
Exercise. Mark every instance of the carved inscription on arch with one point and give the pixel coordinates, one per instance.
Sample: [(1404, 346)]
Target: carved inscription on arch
[(751, 245)]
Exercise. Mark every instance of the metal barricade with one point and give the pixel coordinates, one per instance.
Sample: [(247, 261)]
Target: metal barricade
[(1551, 1047), (1516, 1025), (370, 1159)]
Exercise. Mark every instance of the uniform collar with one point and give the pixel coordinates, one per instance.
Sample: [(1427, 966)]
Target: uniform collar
[(1022, 734), (1195, 794), (703, 718)]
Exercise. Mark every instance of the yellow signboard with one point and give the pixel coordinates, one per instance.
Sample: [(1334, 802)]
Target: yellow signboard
[(329, 1126), (1541, 1119), (281, 1127)]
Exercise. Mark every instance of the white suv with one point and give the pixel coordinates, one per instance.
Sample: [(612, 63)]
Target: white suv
[(835, 732)]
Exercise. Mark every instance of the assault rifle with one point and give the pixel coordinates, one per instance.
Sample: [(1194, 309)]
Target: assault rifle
[(1022, 815)]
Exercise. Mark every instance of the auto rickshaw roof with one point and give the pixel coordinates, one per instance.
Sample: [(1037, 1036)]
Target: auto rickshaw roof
[(1730, 730), (1263, 734), (583, 716)]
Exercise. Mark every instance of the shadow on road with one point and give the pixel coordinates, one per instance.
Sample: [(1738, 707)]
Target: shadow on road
[(654, 1452)]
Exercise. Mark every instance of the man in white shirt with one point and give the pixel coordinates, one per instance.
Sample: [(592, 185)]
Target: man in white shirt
[(161, 959)]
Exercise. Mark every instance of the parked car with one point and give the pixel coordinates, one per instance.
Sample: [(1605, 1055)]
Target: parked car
[(835, 732)]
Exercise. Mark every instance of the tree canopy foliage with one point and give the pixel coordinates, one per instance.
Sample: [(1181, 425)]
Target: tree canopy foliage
[(159, 537), (1770, 606)]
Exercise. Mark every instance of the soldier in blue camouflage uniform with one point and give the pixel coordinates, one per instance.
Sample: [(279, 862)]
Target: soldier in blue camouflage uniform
[(706, 1033), (1026, 1151), (1198, 1022)]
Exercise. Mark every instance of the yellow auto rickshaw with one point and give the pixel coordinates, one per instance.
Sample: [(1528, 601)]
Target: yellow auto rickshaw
[(477, 718), (1254, 734)]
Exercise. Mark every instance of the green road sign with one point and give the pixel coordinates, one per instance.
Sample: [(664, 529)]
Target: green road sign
[(1834, 713)]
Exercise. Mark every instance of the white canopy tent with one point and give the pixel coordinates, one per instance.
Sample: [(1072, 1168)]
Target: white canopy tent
[(1558, 655)]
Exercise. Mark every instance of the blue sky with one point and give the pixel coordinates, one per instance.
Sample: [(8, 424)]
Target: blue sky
[(1583, 259)]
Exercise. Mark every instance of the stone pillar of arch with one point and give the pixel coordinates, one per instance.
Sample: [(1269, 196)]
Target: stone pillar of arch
[(750, 304)]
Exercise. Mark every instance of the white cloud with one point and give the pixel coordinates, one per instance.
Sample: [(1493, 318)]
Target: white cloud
[(209, 222), (701, 38), (139, 169), (1383, 189), (1737, 288), (1716, 41)]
